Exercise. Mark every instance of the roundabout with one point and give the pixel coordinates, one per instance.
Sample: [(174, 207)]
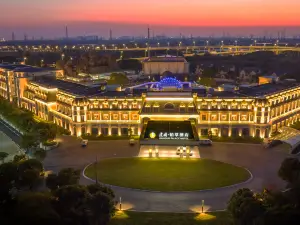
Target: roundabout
[(166, 174)]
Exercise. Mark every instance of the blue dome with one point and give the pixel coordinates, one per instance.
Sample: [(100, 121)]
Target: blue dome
[(169, 82)]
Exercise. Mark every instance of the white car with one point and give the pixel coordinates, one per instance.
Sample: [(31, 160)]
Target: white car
[(184, 151), (205, 142), (131, 141), (84, 143)]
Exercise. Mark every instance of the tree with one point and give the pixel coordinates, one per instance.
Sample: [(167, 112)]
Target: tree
[(36, 208), (29, 178), (290, 171), (19, 158), (52, 182), (67, 176), (94, 188), (3, 155), (71, 204), (28, 142), (244, 207), (118, 78), (31, 164), (40, 154), (8, 176), (207, 81), (101, 208), (208, 72)]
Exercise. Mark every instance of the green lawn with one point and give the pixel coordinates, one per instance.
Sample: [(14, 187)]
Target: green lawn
[(144, 218), (167, 174)]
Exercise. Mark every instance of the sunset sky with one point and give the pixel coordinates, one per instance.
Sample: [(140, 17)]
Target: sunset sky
[(94, 16)]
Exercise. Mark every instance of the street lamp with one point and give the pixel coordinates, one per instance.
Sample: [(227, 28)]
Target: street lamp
[(157, 44), (206, 43), (168, 44), (25, 58)]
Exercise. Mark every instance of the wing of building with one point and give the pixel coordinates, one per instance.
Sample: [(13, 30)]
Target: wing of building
[(168, 109)]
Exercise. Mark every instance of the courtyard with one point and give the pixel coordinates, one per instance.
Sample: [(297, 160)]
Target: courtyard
[(261, 162)]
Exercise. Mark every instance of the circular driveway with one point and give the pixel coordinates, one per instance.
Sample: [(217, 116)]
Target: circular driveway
[(263, 164)]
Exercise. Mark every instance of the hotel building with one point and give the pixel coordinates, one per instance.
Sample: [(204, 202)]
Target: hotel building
[(168, 109)]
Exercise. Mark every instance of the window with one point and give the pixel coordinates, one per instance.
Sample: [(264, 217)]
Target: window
[(203, 117), (244, 117), (105, 105), (214, 117), (125, 116), (169, 107), (182, 109), (234, 117), (135, 117), (115, 116), (96, 117), (223, 117)]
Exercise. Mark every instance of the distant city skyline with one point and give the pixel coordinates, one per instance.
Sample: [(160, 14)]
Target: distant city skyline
[(96, 17)]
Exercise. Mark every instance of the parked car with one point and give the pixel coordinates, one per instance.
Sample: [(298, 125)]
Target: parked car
[(205, 142), (184, 151), (131, 141), (84, 143)]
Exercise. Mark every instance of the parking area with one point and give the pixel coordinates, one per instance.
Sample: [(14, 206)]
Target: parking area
[(8, 146), (168, 151)]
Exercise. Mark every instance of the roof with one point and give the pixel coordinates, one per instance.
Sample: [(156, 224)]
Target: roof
[(266, 89), (166, 58), (11, 66), (224, 94), (66, 86), (24, 68), (77, 89)]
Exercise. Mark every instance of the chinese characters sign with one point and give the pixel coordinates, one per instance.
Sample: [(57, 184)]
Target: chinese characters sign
[(173, 136)]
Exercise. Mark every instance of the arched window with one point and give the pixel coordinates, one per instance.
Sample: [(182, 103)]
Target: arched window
[(169, 106)]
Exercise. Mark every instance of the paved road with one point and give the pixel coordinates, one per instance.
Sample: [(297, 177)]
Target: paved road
[(263, 164)]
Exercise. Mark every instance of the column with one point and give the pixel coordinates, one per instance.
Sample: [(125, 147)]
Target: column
[(109, 129), (119, 130), (89, 128)]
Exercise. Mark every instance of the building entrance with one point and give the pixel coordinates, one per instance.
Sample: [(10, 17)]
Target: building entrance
[(169, 130)]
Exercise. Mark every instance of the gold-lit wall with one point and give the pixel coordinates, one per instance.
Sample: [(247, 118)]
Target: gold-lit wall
[(120, 116)]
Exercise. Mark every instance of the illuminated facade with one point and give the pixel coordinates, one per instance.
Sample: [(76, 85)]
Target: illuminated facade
[(256, 112)]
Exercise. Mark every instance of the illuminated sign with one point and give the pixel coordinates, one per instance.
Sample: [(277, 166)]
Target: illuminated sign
[(152, 135), (173, 136)]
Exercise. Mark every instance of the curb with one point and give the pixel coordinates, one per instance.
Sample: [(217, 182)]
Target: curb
[(170, 192), (179, 212)]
